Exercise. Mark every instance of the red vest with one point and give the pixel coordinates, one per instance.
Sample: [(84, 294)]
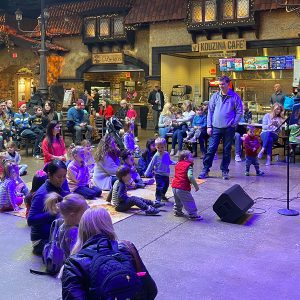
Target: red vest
[(181, 180)]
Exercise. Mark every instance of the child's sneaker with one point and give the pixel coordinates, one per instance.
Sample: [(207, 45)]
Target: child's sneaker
[(260, 173), (195, 218), (158, 204), (178, 214), (151, 211), (247, 174)]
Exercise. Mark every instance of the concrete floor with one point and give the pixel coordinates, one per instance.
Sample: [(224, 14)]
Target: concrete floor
[(256, 259)]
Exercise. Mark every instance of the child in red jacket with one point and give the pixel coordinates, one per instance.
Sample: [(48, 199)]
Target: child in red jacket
[(252, 144), (181, 186)]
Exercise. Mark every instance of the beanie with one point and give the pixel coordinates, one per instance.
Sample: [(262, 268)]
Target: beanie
[(21, 103)]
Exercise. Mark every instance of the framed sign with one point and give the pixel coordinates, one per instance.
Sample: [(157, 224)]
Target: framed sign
[(67, 98), (107, 58)]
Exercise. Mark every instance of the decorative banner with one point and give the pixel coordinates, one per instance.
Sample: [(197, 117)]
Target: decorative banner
[(107, 58), (296, 81), (220, 45)]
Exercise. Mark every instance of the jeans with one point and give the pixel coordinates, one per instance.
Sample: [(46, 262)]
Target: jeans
[(252, 160), (179, 134), (226, 134), (78, 133), (39, 138), (163, 131), (29, 134), (22, 169), (162, 185), (238, 144), (87, 192), (268, 139), (155, 114), (143, 204), (186, 200), (202, 138)]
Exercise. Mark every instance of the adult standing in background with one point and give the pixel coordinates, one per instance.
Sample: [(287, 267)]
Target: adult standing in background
[(277, 96), (224, 112), (96, 99), (157, 100)]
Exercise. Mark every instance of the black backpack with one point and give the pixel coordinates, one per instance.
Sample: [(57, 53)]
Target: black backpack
[(112, 274)]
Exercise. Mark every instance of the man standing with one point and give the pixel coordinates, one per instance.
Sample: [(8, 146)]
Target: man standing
[(78, 121), (157, 100), (224, 112), (277, 96)]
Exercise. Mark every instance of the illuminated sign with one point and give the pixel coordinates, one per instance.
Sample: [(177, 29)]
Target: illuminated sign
[(220, 45), (107, 58)]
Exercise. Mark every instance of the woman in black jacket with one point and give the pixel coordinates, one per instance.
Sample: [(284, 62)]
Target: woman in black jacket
[(40, 220), (96, 231)]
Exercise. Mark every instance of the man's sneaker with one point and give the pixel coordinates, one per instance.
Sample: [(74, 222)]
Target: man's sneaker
[(247, 174), (260, 173), (179, 214), (225, 175), (195, 218), (177, 153), (203, 175), (165, 199), (268, 162), (172, 153), (158, 204), (151, 211), (238, 158)]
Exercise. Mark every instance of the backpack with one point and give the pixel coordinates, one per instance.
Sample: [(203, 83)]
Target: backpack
[(53, 255), (112, 274)]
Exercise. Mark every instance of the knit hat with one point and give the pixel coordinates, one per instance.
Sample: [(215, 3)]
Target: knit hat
[(21, 103)]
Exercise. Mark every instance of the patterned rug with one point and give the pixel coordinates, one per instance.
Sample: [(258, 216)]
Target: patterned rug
[(147, 193)]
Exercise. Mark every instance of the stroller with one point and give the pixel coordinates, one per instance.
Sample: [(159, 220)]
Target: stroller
[(113, 126)]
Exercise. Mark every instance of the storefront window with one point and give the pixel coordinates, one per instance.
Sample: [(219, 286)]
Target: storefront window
[(118, 26), (104, 27), (196, 12), (228, 9), (90, 27), (210, 10), (243, 9)]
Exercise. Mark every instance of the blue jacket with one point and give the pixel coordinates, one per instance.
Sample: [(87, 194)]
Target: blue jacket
[(200, 121), (22, 121), (77, 116), (39, 220)]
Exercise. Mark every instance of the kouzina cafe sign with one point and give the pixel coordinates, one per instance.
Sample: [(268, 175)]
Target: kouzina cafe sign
[(107, 58), (219, 45)]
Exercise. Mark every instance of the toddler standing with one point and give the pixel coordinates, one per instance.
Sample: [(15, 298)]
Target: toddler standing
[(252, 144), (78, 176), (131, 113), (181, 185), (160, 162), (15, 156)]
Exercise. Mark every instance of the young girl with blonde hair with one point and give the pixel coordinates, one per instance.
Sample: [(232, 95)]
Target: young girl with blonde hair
[(96, 232), (71, 208), (165, 120)]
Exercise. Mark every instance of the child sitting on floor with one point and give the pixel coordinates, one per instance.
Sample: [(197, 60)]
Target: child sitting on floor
[(122, 201), (137, 181), (160, 163), (15, 156), (128, 139), (12, 187), (146, 157), (88, 156), (71, 208), (37, 181), (78, 176), (181, 185), (69, 153), (252, 144)]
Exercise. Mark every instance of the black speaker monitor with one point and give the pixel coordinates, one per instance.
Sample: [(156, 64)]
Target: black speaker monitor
[(232, 204)]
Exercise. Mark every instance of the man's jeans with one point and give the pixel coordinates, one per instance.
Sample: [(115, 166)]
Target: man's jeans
[(227, 135), (78, 133), (238, 144)]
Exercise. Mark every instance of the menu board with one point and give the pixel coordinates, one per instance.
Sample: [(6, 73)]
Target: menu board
[(256, 63), (231, 64), (282, 62)]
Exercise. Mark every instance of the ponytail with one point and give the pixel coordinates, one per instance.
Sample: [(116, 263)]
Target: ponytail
[(51, 203)]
